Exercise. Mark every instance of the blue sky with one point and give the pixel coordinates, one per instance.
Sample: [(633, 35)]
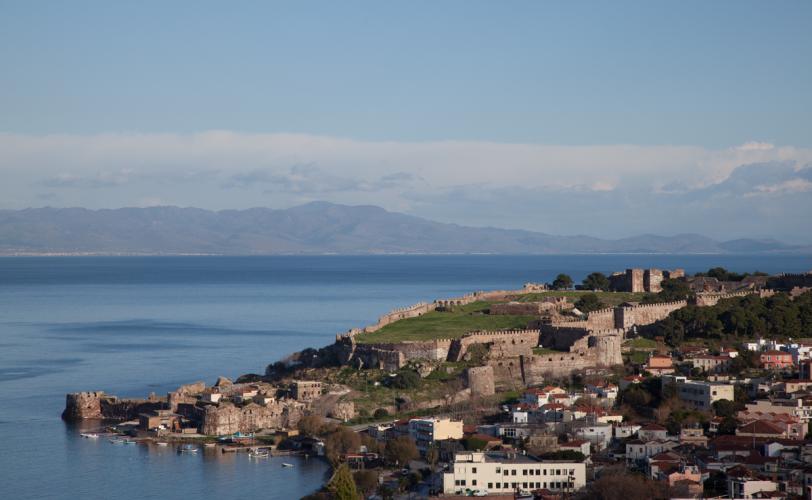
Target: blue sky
[(271, 103)]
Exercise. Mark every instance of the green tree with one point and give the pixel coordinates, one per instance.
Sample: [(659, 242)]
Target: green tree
[(400, 450), (589, 302), (726, 408), (562, 282), (474, 443), (596, 281), (405, 379), (342, 485), (381, 413), (728, 426)]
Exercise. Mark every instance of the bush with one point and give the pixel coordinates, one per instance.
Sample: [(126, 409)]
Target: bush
[(405, 379), (380, 413)]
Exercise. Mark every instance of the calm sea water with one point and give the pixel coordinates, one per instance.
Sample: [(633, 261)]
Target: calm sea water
[(133, 325)]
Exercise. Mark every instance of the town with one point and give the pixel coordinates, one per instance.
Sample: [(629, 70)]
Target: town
[(643, 383)]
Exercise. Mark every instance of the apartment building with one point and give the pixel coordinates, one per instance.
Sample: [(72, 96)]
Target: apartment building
[(496, 473)]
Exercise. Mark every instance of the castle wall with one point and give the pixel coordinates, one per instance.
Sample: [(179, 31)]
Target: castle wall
[(225, 418), (97, 404), (480, 380), (645, 314)]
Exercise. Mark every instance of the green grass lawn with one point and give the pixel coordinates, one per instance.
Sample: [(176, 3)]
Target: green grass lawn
[(451, 324), (608, 298), (641, 343)]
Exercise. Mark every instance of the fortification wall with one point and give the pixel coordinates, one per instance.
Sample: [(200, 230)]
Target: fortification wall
[(97, 404), (645, 314), (502, 342), (601, 319), (711, 299), (227, 418), (480, 380)]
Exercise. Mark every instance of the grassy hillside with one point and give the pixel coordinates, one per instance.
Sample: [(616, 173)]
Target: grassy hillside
[(450, 324)]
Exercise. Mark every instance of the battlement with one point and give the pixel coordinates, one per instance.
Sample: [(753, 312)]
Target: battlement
[(658, 305)]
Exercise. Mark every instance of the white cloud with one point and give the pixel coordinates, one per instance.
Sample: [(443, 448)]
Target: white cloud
[(789, 186)]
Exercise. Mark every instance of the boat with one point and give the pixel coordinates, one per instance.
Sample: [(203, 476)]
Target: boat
[(188, 448), (258, 454), (162, 443), (209, 445), (89, 435), (129, 441), (117, 441), (287, 465)]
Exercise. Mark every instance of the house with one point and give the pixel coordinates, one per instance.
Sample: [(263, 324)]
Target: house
[(535, 396), (629, 380), (775, 360), (504, 473), (638, 450), (624, 431), (212, 395), (693, 434), (305, 390), (771, 429), (652, 431), (711, 364), (599, 435), (159, 420), (799, 407), (606, 390), (579, 445), (659, 365), (425, 431), (744, 483)]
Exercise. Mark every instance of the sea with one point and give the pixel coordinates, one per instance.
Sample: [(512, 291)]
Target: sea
[(134, 325)]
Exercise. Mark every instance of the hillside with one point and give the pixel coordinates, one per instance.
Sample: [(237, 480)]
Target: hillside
[(314, 228)]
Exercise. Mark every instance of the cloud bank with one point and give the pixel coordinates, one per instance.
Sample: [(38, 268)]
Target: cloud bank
[(755, 189)]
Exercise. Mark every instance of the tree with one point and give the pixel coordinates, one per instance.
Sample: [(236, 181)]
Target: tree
[(381, 413), (342, 485), (562, 282), (405, 379), (366, 481), (339, 442), (589, 302), (474, 443), (400, 450), (617, 484), (310, 425), (432, 455), (726, 408), (728, 425), (596, 281)]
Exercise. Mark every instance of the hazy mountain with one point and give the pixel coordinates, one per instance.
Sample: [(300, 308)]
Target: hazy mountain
[(314, 228)]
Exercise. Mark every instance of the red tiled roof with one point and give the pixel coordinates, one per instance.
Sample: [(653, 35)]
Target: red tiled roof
[(760, 427)]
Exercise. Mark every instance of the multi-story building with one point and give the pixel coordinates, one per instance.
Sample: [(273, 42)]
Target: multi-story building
[(711, 364), (496, 473), (425, 431), (776, 360), (699, 394), (305, 390)]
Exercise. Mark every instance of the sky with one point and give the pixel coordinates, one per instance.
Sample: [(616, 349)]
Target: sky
[(603, 118)]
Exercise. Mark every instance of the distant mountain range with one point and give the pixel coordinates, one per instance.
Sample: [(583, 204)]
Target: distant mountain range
[(314, 228)]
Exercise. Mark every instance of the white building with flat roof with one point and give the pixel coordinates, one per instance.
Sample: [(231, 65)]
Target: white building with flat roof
[(505, 473), (425, 431)]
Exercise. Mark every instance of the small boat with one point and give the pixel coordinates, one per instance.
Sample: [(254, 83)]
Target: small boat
[(117, 441), (258, 454), (89, 435), (209, 445), (188, 448), (287, 465), (162, 443)]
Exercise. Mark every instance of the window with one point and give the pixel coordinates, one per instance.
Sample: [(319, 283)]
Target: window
[(524, 472), (462, 482), (507, 472), (524, 485), (473, 470), (513, 472), (473, 482), (504, 486), (498, 470), (457, 483), (490, 486)]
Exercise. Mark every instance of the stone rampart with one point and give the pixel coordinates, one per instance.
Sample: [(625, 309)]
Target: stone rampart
[(480, 380), (711, 299), (226, 418), (97, 404), (645, 314)]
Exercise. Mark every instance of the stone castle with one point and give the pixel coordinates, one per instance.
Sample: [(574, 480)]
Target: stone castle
[(642, 280)]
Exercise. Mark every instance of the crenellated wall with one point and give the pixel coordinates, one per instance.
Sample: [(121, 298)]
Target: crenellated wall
[(645, 314), (97, 404), (226, 418)]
